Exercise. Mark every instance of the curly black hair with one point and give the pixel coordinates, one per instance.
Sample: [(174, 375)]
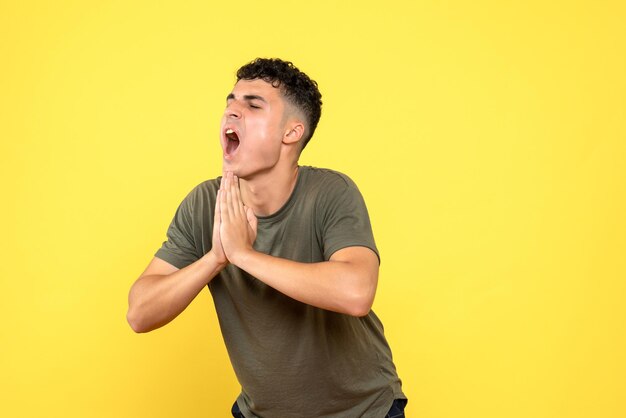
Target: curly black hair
[(295, 85)]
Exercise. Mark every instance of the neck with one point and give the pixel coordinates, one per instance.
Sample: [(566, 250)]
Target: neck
[(266, 194)]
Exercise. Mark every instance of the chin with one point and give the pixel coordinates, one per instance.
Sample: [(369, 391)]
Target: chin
[(228, 166)]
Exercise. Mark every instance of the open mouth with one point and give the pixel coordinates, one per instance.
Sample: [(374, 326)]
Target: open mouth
[(232, 141)]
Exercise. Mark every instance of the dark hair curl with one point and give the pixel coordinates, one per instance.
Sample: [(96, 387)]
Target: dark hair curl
[(295, 85)]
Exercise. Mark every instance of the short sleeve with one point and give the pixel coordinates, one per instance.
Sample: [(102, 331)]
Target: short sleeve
[(345, 220), (180, 249)]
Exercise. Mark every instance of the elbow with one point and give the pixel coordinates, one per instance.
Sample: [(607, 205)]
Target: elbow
[(135, 322), (136, 316), (359, 313), (361, 297), (360, 304), (359, 309)]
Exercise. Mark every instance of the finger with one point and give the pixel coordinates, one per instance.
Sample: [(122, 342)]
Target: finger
[(232, 189), (216, 216), (223, 206), (228, 193), (252, 220), (237, 196)]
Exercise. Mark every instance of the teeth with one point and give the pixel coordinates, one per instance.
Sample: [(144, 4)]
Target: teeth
[(229, 131)]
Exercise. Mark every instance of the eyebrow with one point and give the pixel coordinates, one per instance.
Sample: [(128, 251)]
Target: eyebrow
[(247, 97)]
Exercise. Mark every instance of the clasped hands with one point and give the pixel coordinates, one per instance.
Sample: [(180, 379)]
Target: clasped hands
[(234, 225)]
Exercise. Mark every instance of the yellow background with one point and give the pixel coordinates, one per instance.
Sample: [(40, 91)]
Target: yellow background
[(487, 137)]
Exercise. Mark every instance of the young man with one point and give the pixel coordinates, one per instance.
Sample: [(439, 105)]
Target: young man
[(288, 254)]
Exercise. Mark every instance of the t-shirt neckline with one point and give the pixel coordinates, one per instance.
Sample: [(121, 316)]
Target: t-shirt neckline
[(280, 213)]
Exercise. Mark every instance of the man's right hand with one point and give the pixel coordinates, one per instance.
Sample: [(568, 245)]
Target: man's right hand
[(163, 291), (217, 248)]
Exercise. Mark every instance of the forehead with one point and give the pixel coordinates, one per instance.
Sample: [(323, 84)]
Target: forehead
[(257, 87)]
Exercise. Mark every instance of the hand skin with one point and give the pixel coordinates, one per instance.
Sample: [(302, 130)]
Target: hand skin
[(216, 243), (238, 224), (345, 284)]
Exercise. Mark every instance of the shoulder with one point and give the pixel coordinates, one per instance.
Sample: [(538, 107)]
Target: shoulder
[(207, 186), (325, 178), (202, 193), (330, 189)]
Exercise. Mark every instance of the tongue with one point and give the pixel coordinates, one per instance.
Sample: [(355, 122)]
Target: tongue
[(232, 146)]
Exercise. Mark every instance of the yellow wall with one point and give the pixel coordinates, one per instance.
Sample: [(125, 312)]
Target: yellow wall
[(487, 137)]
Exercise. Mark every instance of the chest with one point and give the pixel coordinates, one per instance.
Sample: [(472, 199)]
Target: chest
[(297, 236)]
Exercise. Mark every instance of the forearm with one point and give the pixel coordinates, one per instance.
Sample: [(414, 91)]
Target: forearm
[(339, 286), (346, 283), (155, 300)]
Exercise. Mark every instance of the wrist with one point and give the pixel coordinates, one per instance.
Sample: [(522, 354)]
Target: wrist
[(241, 257), (212, 259)]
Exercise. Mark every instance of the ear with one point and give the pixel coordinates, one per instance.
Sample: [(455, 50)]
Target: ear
[(293, 132)]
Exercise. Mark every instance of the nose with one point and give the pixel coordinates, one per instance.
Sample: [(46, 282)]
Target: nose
[(233, 110)]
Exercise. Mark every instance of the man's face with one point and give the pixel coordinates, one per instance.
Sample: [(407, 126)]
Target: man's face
[(252, 128)]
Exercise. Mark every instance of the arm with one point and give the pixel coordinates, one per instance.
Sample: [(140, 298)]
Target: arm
[(346, 283), (163, 291)]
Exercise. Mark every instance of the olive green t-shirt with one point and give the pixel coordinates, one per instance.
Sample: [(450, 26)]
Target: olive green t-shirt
[(293, 359)]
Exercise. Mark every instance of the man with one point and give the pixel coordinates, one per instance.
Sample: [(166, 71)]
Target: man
[(288, 254)]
